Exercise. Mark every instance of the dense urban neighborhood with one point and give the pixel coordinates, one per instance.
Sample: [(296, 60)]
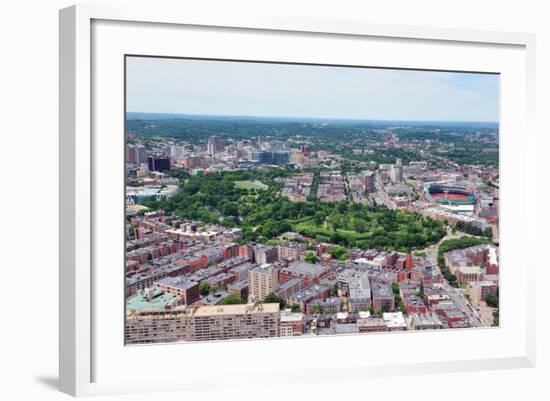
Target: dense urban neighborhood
[(242, 228)]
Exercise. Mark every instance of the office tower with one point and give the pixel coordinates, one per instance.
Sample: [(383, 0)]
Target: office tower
[(158, 163), (214, 145)]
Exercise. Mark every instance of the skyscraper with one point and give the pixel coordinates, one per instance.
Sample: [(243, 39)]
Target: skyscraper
[(214, 145), (396, 171)]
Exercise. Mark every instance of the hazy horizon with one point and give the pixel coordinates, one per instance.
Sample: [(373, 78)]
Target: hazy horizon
[(299, 118)]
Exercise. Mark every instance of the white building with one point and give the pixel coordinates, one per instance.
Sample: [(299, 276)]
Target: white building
[(395, 321), (177, 152)]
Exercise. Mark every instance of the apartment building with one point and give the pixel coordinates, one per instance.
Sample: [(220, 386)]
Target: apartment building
[(205, 323), (262, 280)]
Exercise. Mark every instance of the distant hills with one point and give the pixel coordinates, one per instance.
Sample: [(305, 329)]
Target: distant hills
[(266, 119)]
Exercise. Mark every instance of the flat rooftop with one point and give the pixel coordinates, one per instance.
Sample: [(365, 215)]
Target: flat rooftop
[(469, 269), (238, 284), (308, 269), (382, 291), (157, 300), (182, 283), (288, 316), (394, 319), (290, 283), (239, 309)]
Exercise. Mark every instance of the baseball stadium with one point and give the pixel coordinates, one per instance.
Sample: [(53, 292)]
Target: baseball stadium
[(448, 195)]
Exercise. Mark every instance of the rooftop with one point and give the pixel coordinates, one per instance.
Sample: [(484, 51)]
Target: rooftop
[(425, 319), (153, 299), (288, 316), (180, 282), (290, 283), (239, 284), (307, 269), (381, 291), (239, 309), (310, 292), (394, 319), (469, 269)]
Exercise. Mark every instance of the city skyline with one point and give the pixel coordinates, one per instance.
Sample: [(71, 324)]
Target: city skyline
[(231, 88)]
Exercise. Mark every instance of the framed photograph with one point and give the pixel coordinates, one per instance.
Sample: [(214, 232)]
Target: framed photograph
[(355, 194)]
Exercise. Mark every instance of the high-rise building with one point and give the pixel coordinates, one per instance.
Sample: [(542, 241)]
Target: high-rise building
[(143, 170), (177, 152), (281, 157), (262, 281), (158, 163), (214, 145), (265, 254), (136, 154), (396, 171), (193, 161), (262, 156), (296, 157), (368, 181)]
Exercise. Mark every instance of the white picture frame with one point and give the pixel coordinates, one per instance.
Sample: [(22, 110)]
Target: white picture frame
[(81, 343)]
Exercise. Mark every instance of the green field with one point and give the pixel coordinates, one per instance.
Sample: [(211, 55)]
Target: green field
[(250, 185)]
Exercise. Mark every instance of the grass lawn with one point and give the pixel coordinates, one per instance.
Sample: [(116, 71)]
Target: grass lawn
[(250, 185)]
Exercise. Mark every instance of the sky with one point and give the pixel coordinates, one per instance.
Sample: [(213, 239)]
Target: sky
[(165, 85)]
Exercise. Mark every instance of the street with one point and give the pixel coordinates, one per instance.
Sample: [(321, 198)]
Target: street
[(455, 293)]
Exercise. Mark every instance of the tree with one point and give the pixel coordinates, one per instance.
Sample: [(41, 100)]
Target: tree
[(491, 300), (295, 308), (318, 309), (273, 299), (395, 288), (204, 288), (310, 257), (319, 218), (338, 252), (334, 290), (231, 299), (360, 225)]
